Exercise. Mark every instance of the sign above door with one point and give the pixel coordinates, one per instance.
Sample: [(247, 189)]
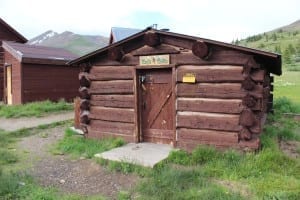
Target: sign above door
[(155, 60)]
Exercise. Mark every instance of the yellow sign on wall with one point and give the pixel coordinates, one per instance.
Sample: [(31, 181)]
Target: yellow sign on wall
[(189, 78), (155, 60)]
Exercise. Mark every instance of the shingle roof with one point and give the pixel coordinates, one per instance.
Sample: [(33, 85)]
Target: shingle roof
[(11, 29), (32, 53), (119, 33)]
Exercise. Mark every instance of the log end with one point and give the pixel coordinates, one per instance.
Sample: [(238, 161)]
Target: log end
[(85, 104), (249, 101), (84, 117), (84, 93), (84, 81), (248, 84), (247, 118), (152, 39), (200, 49)]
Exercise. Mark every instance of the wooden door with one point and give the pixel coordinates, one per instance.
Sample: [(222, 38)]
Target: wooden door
[(156, 106), (8, 85)]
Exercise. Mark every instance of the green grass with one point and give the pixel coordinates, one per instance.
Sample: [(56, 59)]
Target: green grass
[(79, 146), (288, 85), (35, 109)]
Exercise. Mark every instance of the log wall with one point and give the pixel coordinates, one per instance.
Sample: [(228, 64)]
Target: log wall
[(225, 106), (107, 105)]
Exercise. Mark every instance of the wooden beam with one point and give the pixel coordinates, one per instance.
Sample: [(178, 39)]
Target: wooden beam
[(112, 87), (112, 127), (116, 101), (101, 73), (197, 120), (112, 114), (212, 73), (216, 90), (198, 135), (231, 106)]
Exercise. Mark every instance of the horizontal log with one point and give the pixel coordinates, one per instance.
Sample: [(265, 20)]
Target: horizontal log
[(193, 135), (198, 120), (102, 73), (213, 73), (216, 58), (112, 114), (112, 87), (112, 127), (102, 135), (117, 101), (231, 106), (216, 90), (158, 133)]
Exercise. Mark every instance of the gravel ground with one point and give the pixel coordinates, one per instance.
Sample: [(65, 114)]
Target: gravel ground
[(82, 176)]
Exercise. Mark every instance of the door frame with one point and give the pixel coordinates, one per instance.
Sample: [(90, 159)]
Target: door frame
[(138, 106), (5, 89)]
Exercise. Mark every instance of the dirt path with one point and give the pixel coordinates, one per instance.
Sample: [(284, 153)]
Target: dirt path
[(13, 124), (81, 176)]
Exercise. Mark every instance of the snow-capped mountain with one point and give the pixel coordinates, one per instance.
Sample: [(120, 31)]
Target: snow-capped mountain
[(41, 38), (78, 44)]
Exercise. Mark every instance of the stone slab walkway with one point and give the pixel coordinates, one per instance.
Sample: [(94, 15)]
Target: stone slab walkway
[(145, 154)]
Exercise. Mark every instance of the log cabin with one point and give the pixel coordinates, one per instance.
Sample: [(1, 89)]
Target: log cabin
[(7, 33), (163, 87), (37, 73)]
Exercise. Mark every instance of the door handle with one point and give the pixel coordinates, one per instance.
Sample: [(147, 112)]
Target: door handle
[(144, 105)]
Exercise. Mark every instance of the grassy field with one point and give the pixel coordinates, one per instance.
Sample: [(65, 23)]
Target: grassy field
[(288, 85), (35, 109)]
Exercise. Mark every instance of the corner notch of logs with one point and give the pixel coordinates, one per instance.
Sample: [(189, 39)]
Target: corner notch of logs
[(85, 83), (200, 49)]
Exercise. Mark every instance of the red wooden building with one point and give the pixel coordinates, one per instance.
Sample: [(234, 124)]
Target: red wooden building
[(35, 73), (164, 87), (7, 33)]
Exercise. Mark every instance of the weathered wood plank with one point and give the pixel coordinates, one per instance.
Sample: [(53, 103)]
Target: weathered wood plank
[(158, 133), (216, 90), (112, 127), (231, 106), (198, 120), (212, 73), (112, 114), (190, 145), (102, 73), (112, 87), (117, 101), (101, 135), (192, 135)]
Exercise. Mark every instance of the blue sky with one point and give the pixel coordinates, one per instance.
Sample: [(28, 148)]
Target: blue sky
[(213, 19)]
